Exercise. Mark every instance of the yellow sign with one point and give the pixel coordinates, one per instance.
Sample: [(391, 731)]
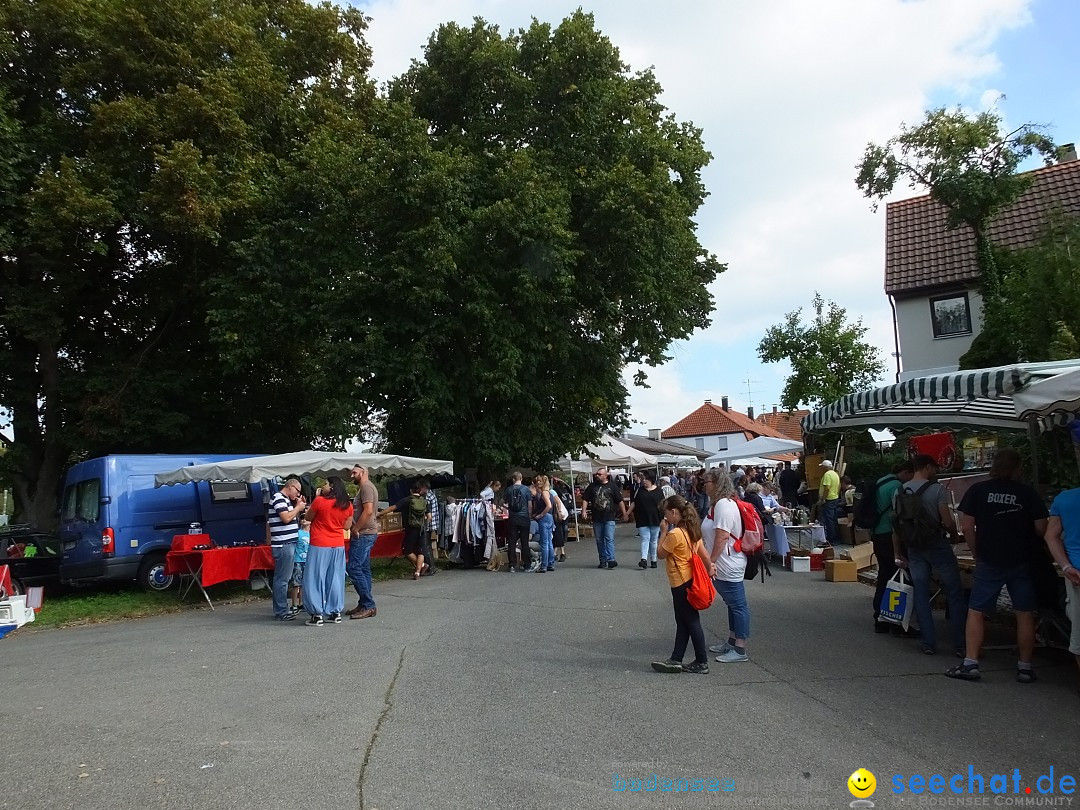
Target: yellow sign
[(862, 784)]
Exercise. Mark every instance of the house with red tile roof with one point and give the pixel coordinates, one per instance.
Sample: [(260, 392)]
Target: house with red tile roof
[(788, 423), (713, 428), (931, 276)]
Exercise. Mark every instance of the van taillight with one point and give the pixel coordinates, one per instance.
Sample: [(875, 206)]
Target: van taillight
[(108, 543)]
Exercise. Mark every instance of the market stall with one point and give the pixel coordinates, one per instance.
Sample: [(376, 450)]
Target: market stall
[(761, 446), (205, 566), (607, 452)]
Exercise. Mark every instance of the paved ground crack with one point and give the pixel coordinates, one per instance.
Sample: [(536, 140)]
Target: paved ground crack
[(388, 704)]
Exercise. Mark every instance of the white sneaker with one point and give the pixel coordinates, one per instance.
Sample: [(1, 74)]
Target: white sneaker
[(720, 648), (732, 657)]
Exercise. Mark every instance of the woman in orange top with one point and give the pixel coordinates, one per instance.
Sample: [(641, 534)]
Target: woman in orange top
[(324, 573), (680, 538)]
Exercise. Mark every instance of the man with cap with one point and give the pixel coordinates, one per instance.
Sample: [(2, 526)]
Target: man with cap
[(831, 502)]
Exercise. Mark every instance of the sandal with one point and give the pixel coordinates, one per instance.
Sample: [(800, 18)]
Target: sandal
[(416, 575), (1025, 675), (963, 673)]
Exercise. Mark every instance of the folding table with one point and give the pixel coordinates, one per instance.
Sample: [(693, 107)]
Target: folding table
[(206, 567)]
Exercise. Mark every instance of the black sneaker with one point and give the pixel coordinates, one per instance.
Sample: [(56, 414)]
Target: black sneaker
[(334, 617), (602, 565), (696, 668), (643, 563), (652, 564), (314, 621), (612, 564), (287, 617), (883, 627), (667, 666)]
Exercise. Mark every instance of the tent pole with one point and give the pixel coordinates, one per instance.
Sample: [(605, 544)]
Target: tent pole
[(573, 489), (1033, 438)]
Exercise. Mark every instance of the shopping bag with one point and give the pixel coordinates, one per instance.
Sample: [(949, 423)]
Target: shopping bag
[(897, 601)]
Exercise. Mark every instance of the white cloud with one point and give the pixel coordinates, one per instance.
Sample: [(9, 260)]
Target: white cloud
[(788, 93)]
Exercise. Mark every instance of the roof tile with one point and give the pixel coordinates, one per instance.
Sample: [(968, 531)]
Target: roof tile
[(712, 420), (787, 423)]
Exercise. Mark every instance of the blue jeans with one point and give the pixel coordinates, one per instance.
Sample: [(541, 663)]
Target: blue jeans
[(283, 571), (546, 526), (605, 539), (738, 612), (830, 513), (649, 536), (939, 558), (359, 568)]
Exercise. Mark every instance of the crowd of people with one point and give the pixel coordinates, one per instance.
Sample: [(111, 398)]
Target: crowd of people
[(1002, 520)]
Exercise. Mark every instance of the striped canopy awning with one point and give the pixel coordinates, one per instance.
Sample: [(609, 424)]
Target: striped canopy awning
[(981, 398)]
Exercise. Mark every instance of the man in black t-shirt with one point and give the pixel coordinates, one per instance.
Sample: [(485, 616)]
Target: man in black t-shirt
[(603, 500), (1003, 519), (788, 480)]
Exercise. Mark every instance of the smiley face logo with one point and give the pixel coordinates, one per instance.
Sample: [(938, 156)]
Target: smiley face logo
[(862, 784)]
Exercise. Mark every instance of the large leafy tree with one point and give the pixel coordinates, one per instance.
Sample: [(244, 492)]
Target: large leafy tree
[(144, 146), (571, 246), (829, 357), (968, 164)]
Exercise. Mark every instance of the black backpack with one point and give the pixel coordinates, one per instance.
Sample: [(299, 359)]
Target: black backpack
[(865, 512), (915, 526), (516, 500)]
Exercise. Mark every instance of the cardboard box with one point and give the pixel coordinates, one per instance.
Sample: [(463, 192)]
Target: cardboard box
[(862, 555), (846, 532), (861, 536), (841, 571), (390, 522)]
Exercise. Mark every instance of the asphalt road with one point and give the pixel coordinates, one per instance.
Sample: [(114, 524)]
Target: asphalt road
[(475, 690)]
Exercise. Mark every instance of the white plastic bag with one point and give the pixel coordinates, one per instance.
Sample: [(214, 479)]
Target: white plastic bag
[(897, 601)]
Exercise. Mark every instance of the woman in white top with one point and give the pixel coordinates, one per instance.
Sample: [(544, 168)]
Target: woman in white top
[(720, 529)]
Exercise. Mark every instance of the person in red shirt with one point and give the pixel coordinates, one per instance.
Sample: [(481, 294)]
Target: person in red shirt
[(330, 514)]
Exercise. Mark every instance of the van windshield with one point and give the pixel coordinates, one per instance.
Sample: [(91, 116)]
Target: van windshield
[(82, 500)]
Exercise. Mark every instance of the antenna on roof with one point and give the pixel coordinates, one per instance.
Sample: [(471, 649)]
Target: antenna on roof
[(750, 393)]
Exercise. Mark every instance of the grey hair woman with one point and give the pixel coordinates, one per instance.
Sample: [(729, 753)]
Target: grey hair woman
[(720, 529)]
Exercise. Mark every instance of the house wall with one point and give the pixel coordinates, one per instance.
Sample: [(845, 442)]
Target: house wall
[(714, 443), (922, 354)]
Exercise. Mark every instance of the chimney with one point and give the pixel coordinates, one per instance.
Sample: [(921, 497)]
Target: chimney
[(708, 402), (654, 434), (774, 409), (1066, 153), (750, 412), (723, 403)]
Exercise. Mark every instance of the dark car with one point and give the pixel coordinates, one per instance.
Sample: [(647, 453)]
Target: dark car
[(32, 555)]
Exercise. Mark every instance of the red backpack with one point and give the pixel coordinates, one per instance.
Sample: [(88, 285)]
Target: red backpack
[(753, 532)]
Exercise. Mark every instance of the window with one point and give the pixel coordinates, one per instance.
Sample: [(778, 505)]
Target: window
[(699, 443), (950, 315), (81, 500), (229, 491), (721, 442)]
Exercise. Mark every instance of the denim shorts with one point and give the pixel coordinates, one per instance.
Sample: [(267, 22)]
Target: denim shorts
[(297, 574), (988, 581)]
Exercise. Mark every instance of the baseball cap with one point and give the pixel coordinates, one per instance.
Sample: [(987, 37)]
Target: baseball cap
[(826, 463)]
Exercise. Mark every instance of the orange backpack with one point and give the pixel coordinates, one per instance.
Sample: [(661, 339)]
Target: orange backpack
[(701, 592)]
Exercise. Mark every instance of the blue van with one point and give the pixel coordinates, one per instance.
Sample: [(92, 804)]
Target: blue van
[(115, 526)]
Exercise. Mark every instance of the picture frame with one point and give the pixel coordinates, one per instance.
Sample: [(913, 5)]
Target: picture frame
[(950, 315)]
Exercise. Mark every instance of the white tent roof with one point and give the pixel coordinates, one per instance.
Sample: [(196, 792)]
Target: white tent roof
[(609, 451), (983, 398), (1054, 395), (255, 469), (761, 446)]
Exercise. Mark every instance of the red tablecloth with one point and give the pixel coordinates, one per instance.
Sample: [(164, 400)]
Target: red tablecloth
[(220, 564), (186, 542), (388, 544)]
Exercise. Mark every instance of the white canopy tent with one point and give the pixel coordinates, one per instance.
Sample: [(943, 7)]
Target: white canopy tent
[(310, 462), (608, 452), (672, 460), (1051, 396), (761, 446)]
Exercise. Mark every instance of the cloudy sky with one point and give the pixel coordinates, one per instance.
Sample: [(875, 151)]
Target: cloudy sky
[(788, 93)]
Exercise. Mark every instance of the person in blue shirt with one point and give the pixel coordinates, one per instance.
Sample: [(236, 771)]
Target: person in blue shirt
[(1063, 540), (303, 540)]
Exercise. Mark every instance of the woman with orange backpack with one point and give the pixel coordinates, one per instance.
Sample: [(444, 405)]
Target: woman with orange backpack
[(680, 540)]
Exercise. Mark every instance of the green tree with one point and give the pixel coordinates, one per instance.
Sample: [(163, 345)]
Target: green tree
[(143, 146), (570, 244), (968, 164), (828, 356)]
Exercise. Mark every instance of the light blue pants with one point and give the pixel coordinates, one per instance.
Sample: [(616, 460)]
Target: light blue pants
[(649, 536), (324, 580)]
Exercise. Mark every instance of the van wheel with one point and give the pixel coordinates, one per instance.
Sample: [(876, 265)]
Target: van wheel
[(17, 588), (152, 576)]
